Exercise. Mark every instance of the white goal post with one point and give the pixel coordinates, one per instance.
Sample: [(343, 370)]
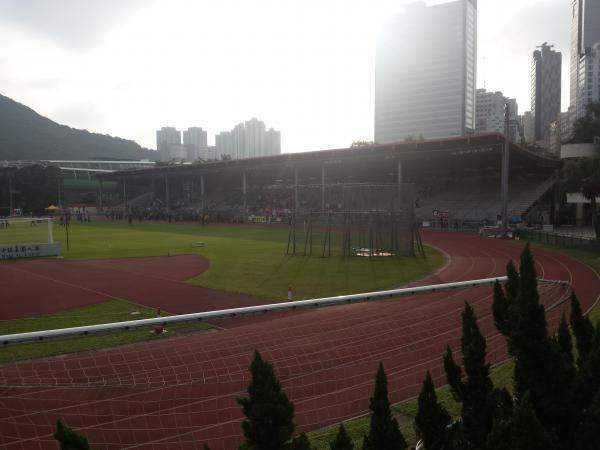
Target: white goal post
[(10, 223), (26, 237)]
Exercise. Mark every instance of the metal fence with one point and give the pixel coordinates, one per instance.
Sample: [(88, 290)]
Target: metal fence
[(559, 239), (38, 336)]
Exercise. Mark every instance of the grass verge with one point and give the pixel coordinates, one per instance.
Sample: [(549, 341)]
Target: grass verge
[(110, 311)]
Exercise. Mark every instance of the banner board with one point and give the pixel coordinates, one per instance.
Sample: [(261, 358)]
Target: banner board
[(14, 251)]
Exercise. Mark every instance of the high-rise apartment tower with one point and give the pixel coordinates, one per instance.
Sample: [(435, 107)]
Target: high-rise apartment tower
[(545, 91), (585, 32)]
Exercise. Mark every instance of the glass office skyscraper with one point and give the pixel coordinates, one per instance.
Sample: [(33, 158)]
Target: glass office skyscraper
[(425, 72)]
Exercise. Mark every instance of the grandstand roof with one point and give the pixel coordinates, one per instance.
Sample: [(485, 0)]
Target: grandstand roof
[(471, 153)]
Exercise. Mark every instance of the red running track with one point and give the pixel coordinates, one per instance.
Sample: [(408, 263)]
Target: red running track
[(45, 286), (179, 393)]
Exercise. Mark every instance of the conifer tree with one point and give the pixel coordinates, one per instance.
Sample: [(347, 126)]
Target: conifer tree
[(587, 381), (476, 392), (69, 439), (528, 433), (301, 442), (454, 375), (563, 338), (501, 310), (583, 330), (500, 435), (587, 436), (528, 338), (529, 324), (512, 284), (504, 298), (342, 441), (384, 432), (269, 414), (432, 419)]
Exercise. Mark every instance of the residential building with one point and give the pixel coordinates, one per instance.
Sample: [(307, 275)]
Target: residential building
[(195, 140), (585, 32), (167, 137), (425, 72), (224, 145), (248, 140), (588, 90), (174, 152), (272, 142), (490, 114), (255, 137), (560, 131), (528, 127), (195, 136), (545, 91)]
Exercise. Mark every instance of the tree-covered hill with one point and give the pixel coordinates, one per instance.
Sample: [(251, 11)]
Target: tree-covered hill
[(26, 135)]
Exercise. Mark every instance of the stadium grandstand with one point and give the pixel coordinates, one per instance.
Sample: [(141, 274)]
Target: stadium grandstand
[(78, 177), (451, 181)]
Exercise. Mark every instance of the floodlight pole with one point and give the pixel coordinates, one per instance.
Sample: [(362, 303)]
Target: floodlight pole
[(400, 179), (244, 191), (202, 191), (323, 188), (10, 193), (58, 182), (100, 195), (504, 175), (50, 235), (296, 189)]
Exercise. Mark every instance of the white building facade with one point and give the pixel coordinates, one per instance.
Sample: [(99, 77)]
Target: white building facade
[(168, 143), (195, 140), (425, 72), (490, 113), (248, 140)]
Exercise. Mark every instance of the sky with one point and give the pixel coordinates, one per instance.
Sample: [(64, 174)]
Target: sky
[(304, 67)]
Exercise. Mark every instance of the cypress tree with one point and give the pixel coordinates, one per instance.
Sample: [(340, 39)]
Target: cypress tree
[(453, 375), (432, 419), (69, 439), (528, 433), (301, 442), (501, 310), (587, 382), (269, 414), (542, 367), (587, 436), (583, 330), (477, 408), (342, 441), (500, 435), (512, 284), (528, 338), (529, 326), (563, 339), (384, 432), (504, 298)]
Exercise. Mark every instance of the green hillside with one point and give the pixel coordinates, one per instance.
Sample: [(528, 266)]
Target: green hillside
[(26, 135)]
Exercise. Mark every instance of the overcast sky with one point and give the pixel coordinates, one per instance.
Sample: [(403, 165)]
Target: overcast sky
[(305, 67)]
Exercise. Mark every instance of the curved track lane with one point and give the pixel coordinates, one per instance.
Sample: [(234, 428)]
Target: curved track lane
[(181, 392)]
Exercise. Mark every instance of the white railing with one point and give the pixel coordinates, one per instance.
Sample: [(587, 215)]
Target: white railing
[(37, 336)]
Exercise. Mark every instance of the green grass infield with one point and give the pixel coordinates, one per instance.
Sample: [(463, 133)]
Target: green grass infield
[(110, 311)]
